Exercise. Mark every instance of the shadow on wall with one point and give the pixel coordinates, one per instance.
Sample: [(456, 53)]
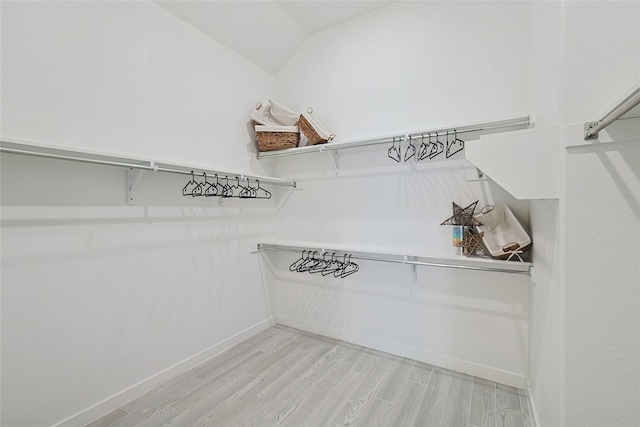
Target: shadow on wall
[(369, 173), (252, 146), (629, 152), (435, 319), (437, 287)]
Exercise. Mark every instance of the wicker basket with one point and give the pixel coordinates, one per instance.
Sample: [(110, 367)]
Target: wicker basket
[(313, 129), (277, 137)]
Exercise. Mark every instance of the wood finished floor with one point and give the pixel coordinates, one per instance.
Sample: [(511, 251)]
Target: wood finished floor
[(284, 377)]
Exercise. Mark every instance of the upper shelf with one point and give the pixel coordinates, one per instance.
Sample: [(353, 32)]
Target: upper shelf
[(475, 128), (51, 152)]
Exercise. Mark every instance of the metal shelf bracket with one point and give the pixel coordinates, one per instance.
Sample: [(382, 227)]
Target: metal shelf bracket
[(333, 155), (414, 270), (133, 178)]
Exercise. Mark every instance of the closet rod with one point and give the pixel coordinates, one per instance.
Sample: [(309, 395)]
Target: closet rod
[(626, 105), (517, 268), (334, 146), (150, 166)]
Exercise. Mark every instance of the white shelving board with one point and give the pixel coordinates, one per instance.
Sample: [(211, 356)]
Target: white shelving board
[(415, 256), (524, 162), (469, 130)]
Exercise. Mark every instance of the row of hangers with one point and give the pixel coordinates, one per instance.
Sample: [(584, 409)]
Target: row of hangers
[(220, 187), (427, 150), (324, 266)]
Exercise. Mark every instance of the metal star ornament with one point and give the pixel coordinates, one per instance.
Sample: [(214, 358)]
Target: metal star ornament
[(463, 216)]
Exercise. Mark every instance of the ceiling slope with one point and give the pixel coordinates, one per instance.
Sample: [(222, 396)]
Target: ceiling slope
[(316, 16), (266, 32)]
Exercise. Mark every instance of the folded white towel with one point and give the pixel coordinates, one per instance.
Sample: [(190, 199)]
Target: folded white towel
[(260, 128), (282, 114), (273, 114)]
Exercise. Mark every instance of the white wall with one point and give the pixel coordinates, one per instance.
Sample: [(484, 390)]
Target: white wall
[(101, 300), (585, 336), (413, 66), (602, 283), (406, 67), (601, 218), (547, 361), (87, 282), (128, 79)]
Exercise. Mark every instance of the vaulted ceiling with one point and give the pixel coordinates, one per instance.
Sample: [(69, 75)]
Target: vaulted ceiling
[(266, 32)]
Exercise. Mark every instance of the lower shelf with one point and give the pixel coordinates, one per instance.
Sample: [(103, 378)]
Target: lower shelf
[(409, 257)]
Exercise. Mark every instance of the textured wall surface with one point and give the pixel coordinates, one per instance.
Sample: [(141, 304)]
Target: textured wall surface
[(603, 283), (601, 223), (585, 345)]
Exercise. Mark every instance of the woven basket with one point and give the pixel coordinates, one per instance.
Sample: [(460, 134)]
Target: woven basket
[(272, 138), (313, 129), (503, 232)]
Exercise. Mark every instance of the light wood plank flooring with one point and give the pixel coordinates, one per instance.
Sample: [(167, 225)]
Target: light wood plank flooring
[(284, 377)]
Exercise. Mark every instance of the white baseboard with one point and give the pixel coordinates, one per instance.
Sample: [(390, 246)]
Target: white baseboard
[(532, 406), (111, 403), (458, 365)]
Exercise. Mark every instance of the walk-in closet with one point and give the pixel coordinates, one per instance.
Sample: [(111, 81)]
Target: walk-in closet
[(319, 213)]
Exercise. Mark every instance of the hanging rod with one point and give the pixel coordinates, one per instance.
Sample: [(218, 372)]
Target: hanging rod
[(108, 160), (334, 146), (464, 263), (627, 104)]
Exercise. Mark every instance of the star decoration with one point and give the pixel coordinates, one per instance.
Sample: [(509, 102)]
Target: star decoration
[(472, 242), (463, 216)]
